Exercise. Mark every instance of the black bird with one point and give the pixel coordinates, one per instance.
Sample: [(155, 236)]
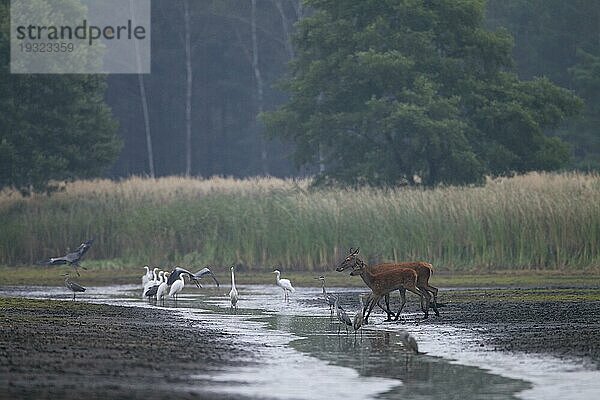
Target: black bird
[(73, 286), (71, 258), (193, 276)]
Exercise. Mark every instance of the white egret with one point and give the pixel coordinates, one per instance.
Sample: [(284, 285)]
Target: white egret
[(233, 293), (147, 276), (161, 292), (151, 282), (153, 288), (285, 284), (73, 286), (177, 287)]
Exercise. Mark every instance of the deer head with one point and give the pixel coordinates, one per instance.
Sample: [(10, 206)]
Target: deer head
[(349, 261)]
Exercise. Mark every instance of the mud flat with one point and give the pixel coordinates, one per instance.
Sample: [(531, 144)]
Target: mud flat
[(66, 350), (560, 322)]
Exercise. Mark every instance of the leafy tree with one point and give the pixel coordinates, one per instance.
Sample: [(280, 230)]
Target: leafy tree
[(385, 92), (52, 127)]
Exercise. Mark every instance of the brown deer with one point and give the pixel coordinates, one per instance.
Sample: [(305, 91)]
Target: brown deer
[(424, 271), (421, 269)]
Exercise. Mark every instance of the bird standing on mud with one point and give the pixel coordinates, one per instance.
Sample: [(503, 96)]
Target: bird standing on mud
[(73, 286), (72, 258), (233, 293), (285, 284)]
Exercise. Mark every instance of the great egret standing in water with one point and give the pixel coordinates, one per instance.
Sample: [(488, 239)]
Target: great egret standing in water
[(285, 284), (162, 290), (177, 287), (233, 293)]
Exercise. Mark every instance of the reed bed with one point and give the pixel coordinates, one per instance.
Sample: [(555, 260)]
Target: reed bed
[(542, 221)]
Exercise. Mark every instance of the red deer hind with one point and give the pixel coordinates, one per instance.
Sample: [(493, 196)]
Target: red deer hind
[(385, 278)]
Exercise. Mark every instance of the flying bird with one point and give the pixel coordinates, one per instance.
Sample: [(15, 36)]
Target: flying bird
[(71, 258), (195, 277)]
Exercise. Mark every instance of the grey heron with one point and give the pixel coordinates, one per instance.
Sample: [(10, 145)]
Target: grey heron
[(342, 316), (233, 293), (72, 258), (359, 317), (195, 277), (285, 284), (329, 299), (73, 286)]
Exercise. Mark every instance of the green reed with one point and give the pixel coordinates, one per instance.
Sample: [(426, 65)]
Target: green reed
[(547, 221)]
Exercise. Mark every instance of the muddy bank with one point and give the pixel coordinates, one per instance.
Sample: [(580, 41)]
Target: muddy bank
[(66, 350), (560, 322)]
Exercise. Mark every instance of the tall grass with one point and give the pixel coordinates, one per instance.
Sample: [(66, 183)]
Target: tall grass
[(546, 221)]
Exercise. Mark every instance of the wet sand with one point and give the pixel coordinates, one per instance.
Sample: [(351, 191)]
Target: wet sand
[(75, 350)]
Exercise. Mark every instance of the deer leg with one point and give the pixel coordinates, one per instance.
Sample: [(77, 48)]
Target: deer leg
[(421, 294), (374, 300), (403, 296), (434, 292), (387, 306)]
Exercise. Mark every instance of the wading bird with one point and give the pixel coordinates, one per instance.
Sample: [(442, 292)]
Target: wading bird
[(329, 299), (73, 286), (162, 290), (71, 258), (177, 287), (342, 316), (147, 276), (151, 282), (233, 293), (195, 277), (409, 342), (152, 290), (285, 284), (359, 317)]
